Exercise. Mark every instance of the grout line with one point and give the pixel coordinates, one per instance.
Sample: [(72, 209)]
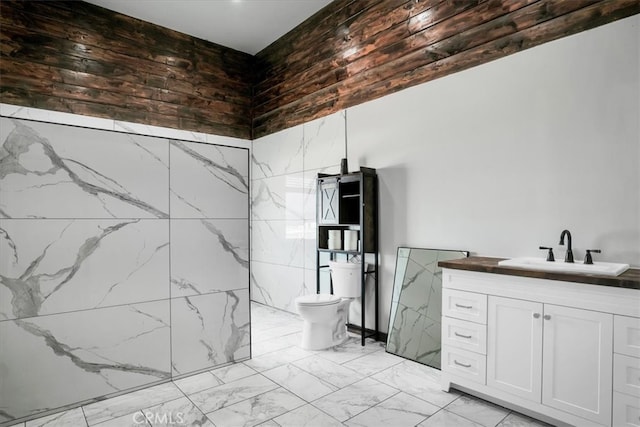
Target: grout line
[(377, 404), (248, 398), (482, 402), (84, 415), (120, 305), (192, 402), (171, 364)]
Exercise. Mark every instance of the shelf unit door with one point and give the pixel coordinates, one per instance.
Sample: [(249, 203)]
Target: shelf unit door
[(328, 202), (514, 347), (578, 362)]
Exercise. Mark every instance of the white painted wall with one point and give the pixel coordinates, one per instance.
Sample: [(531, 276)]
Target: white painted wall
[(499, 159)]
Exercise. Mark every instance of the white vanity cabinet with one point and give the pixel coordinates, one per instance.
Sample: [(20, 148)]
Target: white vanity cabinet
[(626, 371), (577, 362), (514, 341), (549, 348)]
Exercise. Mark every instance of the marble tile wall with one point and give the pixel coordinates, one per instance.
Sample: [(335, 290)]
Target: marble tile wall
[(284, 167), (124, 260)]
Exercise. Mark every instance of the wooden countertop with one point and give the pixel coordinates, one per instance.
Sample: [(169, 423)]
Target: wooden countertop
[(629, 279)]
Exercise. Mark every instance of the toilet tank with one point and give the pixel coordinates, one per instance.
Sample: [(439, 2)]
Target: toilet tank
[(345, 277)]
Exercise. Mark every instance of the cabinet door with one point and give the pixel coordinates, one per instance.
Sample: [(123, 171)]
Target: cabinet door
[(328, 200), (514, 347), (578, 360)]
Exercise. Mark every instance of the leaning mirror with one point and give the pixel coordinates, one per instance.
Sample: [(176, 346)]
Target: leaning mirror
[(416, 304)]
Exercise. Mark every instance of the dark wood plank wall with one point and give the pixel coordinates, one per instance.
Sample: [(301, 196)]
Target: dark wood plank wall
[(80, 58), (355, 51)]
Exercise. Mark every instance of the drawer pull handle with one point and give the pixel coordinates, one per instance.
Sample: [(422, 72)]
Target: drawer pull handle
[(464, 306), (536, 315), (461, 364), (547, 317), (462, 336)]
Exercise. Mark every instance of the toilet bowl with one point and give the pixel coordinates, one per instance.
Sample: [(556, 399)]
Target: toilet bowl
[(325, 316), (325, 320)]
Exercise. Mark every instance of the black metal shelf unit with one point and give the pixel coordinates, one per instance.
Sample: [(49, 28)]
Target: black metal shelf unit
[(350, 202)]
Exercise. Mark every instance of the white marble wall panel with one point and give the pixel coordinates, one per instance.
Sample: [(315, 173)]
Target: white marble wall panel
[(278, 285), (278, 242), (277, 154), (53, 171), (209, 255), (278, 197), (283, 196), (208, 181), (51, 361), (209, 330), (310, 281), (324, 141), (92, 224), (53, 265)]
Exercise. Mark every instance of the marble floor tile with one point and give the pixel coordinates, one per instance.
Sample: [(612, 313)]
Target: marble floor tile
[(279, 343), (71, 418), (223, 395), (179, 412), (515, 419), (135, 419), (348, 385), (445, 418), (300, 382), (354, 399), (373, 363), (234, 372), (199, 382), (484, 413), (401, 410), (418, 380), (328, 371), (352, 349), (277, 358), (129, 403), (275, 332), (274, 319), (306, 416), (256, 410)]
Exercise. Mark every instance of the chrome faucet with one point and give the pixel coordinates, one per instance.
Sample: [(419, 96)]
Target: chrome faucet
[(569, 255)]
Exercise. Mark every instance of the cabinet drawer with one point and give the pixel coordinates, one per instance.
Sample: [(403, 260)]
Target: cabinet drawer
[(464, 305), (464, 334), (463, 363), (626, 374), (626, 410), (626, 336)]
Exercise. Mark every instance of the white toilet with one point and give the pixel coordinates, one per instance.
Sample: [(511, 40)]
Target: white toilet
[(325, 315)]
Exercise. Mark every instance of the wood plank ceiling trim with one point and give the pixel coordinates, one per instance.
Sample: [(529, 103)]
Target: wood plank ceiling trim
[(80, 58), (312, 72)]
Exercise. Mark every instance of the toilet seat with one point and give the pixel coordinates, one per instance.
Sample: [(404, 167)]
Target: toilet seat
[(318, 300)]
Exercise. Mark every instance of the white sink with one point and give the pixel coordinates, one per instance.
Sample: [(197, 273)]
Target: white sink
[(578, 267)]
